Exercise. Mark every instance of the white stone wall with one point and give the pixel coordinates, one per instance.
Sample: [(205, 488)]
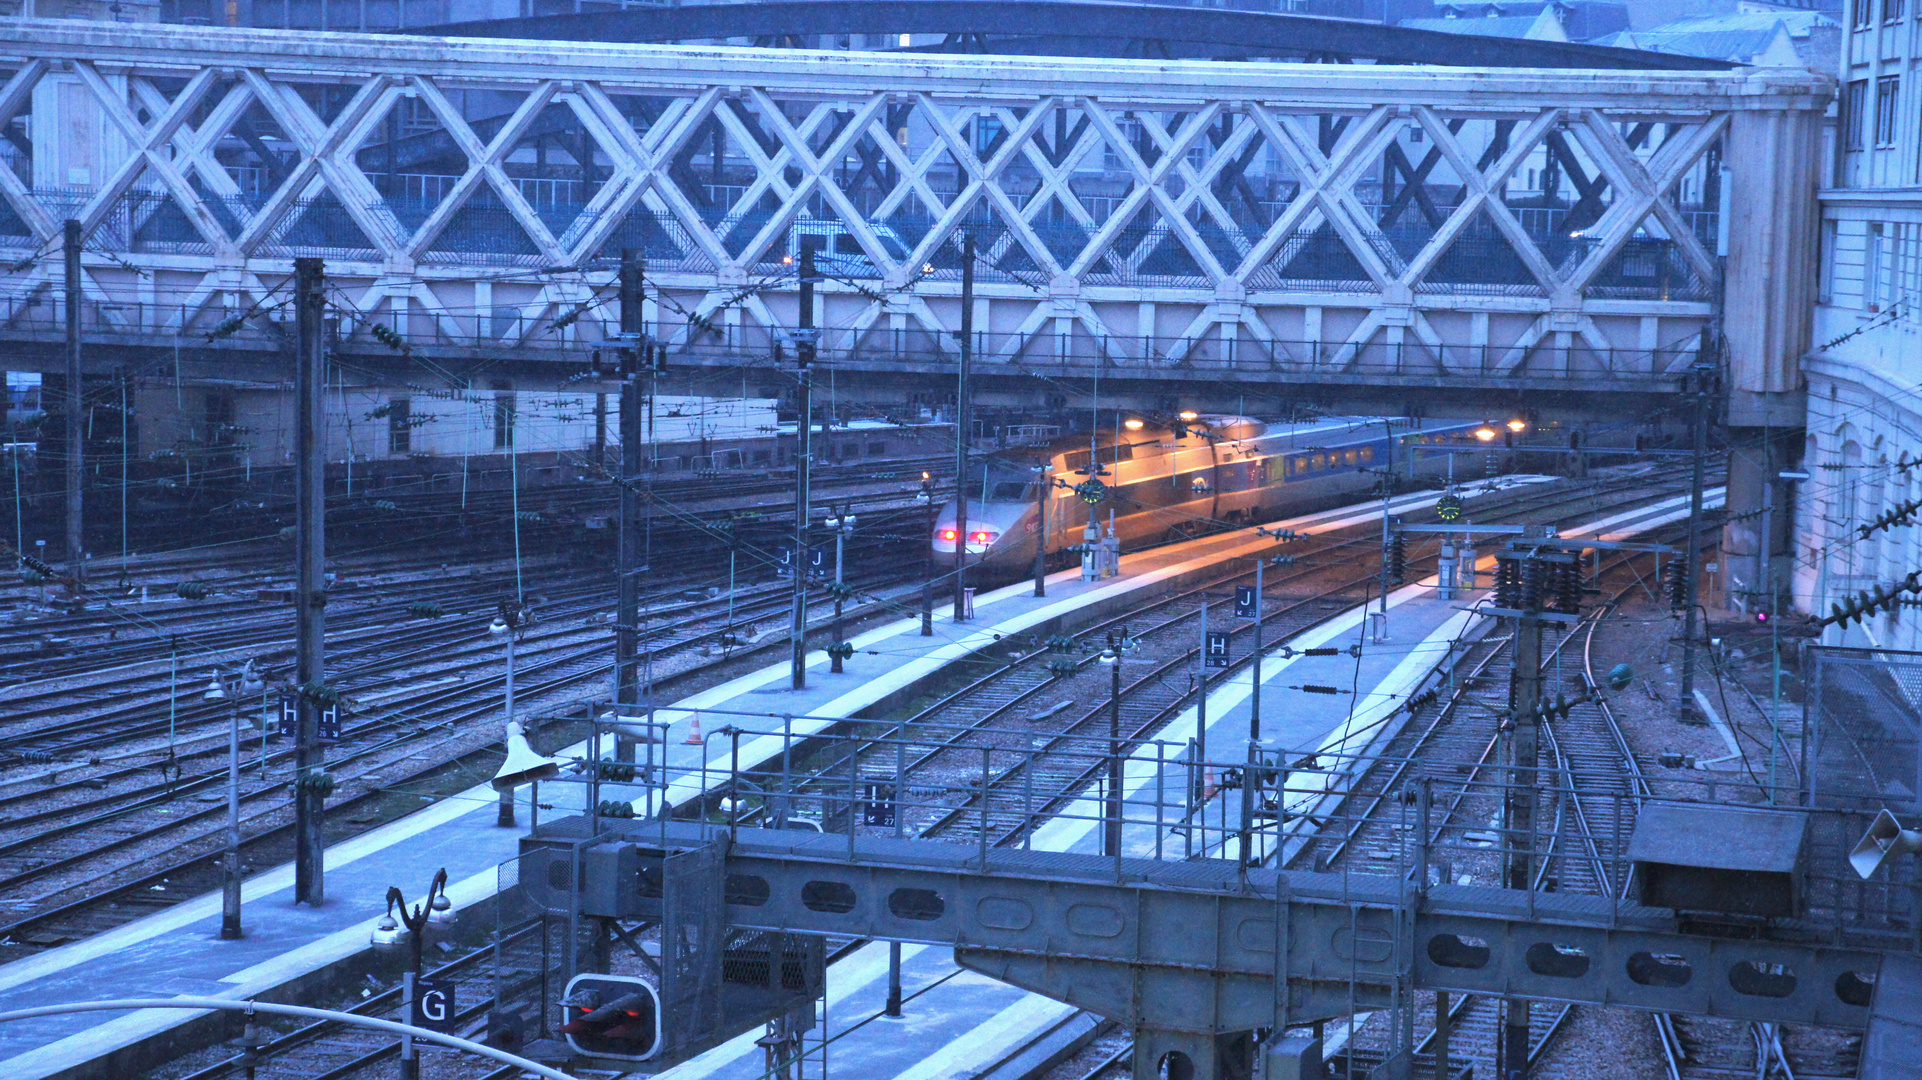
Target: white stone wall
[(1861, 424), (1865, 370)]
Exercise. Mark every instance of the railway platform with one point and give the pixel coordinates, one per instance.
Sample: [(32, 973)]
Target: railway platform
[(960, 1024), (178, 952)]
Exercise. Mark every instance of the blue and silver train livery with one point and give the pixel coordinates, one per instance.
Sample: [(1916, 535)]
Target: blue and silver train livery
[(1158, 479)]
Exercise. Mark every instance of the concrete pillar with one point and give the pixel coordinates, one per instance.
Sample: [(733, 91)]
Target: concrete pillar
[(1770, 284), (1755, 457), (1773, 234)]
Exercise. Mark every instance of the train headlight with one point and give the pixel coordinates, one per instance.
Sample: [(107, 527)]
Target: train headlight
[(982, 537), (946, 534)]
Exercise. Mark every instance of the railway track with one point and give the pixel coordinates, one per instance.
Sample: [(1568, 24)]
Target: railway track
[(1004, 709), (102, 845), (1005, 702)]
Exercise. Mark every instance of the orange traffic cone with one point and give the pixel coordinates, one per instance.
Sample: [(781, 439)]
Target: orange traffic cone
[(694, 733)]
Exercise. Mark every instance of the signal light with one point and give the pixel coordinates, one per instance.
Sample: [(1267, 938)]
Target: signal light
[(1761, 616), (1398, 559), (612, 1016)]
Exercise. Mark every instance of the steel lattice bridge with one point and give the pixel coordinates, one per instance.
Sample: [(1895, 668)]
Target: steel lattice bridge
[(1396, 225)]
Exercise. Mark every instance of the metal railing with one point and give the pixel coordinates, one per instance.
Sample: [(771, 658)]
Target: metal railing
[(167, 324), (1107, 788)]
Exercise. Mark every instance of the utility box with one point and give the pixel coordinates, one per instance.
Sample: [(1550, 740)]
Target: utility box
[(1718, 860)]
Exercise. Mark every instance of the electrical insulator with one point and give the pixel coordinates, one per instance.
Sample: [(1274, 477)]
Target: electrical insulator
[(1534, 582), (1398, 559), (1508, 584), (1568, 590), (1675, 584), (620, 772)]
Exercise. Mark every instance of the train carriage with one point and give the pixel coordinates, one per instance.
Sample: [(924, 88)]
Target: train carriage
[(1153, 480)]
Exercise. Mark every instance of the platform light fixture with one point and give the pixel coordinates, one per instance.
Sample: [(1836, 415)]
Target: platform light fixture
[(387, 933), (1518, 425), (1133, 423), (1189, 415), (1485, 433)]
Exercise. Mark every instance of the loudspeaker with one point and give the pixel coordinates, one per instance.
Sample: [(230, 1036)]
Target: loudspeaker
[(1885, 840), (523, 765)]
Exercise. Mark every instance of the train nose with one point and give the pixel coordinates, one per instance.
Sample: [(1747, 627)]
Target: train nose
[(979, 540)]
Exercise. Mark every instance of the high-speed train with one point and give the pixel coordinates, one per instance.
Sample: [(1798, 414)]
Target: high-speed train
[(1157, 479)]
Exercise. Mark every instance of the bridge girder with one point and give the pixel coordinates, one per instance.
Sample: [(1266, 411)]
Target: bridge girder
[(1141, 219), (1074, 28)]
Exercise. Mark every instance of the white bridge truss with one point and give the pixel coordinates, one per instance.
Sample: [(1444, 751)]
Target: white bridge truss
[(1310, 221)]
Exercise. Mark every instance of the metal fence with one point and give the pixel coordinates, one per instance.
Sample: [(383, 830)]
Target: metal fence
[(1863, 717), (1178, 799), (532, 332)]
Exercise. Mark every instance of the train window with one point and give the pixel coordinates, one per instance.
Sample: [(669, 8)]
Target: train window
[(876, 449), (828, 897), (1009, 490), (921, 905)]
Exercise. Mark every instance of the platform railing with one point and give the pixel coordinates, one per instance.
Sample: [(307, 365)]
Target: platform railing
[(158, 327), (1020, 788)]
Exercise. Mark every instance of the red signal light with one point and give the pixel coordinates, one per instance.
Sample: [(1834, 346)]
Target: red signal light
[(1761, 616), (612, 1016)]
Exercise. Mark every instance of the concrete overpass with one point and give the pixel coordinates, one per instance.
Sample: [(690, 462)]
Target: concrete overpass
[(1410, 233)]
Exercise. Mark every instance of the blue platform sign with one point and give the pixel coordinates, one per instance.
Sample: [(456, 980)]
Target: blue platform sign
[(433, 1006), (1216, 649)]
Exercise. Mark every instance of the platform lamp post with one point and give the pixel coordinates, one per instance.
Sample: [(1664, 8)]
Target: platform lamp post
[(841, 523), (805, 341), (235, 688), (436, 908), (927, 582), (511, 620), (1044, 485), (963, 424)]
